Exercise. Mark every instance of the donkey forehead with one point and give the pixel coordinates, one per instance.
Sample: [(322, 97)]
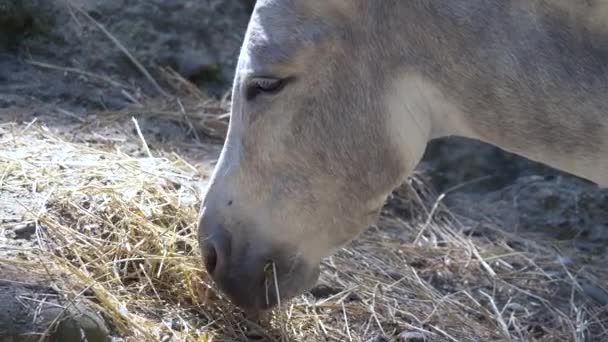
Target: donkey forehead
[(281, 30)]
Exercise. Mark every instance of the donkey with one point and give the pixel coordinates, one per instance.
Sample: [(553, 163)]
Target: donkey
[(334, 102)]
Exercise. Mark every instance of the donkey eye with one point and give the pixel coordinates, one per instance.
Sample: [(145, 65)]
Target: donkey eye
[(263, 85), (268, 84)]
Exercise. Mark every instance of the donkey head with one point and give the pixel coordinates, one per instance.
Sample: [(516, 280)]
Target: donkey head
[(312, 149)]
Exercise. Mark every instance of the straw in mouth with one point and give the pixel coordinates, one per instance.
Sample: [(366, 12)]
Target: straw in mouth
[(270, 279)]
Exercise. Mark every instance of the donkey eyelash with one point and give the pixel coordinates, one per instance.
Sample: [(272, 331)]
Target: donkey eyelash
[(263, 85), (268, 84)]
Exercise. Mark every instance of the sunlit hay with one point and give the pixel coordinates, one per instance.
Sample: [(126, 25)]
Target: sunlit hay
[(125, 227)]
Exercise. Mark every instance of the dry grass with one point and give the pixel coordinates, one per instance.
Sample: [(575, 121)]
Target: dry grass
[(122, 225)]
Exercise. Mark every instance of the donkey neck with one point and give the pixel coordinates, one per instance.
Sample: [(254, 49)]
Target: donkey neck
[(518, 74)]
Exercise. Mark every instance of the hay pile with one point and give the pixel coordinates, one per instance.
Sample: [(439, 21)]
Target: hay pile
[(117, 215)]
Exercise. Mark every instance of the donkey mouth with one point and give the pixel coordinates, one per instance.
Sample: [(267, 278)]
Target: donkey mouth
[(268, 287)]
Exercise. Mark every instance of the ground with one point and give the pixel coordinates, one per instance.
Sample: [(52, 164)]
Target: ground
[(112, 114)]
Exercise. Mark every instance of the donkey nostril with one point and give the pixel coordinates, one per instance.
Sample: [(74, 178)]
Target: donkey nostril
[(210, 259)]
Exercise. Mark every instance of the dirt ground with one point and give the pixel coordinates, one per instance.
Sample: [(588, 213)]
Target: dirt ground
[(512, 250)]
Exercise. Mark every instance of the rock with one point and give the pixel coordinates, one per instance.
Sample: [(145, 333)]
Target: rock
[(411, 336), (322, 291), (596, 293), (19, 18), (379, 338), (29, 307), (14, 18), (24, 231)]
